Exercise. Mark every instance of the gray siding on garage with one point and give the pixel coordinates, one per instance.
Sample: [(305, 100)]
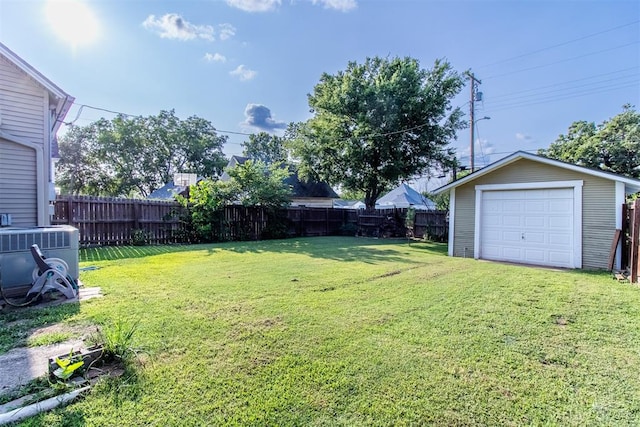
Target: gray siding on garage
[(598, 207), (18, 187)]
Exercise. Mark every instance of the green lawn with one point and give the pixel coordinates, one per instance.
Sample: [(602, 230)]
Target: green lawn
[(347, 331)]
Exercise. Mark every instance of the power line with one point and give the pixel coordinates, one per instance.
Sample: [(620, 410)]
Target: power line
[(590, 86), (120, 113), (608, 84), (480, 143), (559, 44), (375, 135), (560, 98), (562, 60), (568, 82)]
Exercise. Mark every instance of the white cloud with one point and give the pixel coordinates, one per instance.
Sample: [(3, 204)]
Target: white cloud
[(243, 73), (254, 5), (341, 5), (215, 57), (259, 116), (523, 137), (226, 31), (174, 26)]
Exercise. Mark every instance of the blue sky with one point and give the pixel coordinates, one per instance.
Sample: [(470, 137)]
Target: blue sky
[(248, 65)]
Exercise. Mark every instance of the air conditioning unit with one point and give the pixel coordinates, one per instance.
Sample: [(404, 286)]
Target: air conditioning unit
[(16, 261)]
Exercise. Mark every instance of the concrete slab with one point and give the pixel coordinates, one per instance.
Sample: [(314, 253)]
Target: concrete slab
[(21, 365)]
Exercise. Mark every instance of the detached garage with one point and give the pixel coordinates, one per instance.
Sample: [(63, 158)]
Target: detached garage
[(533, 210)]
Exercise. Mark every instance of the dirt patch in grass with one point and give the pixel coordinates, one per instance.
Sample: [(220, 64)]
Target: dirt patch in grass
[(389, 274), (561, 320), (81, 332)]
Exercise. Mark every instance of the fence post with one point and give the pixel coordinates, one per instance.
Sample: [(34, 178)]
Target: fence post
[(635, 235), (623, 241), (70, 210)]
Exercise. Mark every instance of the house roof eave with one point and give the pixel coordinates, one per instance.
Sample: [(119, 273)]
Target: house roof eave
[(64, 100), (32, 72)]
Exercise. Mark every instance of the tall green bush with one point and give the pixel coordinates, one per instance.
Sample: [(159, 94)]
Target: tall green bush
[(250, 184)]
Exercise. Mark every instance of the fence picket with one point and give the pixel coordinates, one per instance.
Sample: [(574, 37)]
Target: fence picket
[(105, 221)]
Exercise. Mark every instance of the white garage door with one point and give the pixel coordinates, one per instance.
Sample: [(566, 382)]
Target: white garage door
[(528, 226)]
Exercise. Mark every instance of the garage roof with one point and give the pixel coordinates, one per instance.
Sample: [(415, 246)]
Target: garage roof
[(631, 185)]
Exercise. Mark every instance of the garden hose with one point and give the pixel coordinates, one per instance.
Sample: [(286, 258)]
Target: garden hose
[(13, 304), (35, 297)]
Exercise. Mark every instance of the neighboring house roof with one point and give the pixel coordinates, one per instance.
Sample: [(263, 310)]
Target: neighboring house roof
[(233, 162), (167, 191), (299, 188), (348, 204), (404, 196), (631, 185), (64, 100)]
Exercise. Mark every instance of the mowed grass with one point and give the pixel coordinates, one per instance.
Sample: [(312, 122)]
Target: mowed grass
[(347, 331)]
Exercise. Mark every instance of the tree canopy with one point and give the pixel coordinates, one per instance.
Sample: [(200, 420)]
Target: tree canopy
[(265, 147), (378, 123), (132, 156), (612, 146)]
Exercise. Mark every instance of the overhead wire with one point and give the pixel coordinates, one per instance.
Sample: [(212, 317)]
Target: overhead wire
[(120, 113), (375, 135), (561, 60), (569, 83), (513, 58), (484, 160), (516, 104)]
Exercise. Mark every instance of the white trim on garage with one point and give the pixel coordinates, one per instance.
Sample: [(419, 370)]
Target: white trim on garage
[(577, 209), (452, 219), (620, 200)]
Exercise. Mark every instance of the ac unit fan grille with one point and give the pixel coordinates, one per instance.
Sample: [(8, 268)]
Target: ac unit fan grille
[(23, 241)]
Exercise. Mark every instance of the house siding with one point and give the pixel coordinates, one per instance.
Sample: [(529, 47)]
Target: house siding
[(598, 207), (18, 194), (23, 104), (312, 202)]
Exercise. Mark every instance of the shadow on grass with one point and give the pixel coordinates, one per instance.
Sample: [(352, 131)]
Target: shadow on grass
[(109, 253), (334, 248), (16, 323), (345, 249)]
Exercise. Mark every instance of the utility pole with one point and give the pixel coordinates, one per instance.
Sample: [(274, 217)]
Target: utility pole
[(473, 86)]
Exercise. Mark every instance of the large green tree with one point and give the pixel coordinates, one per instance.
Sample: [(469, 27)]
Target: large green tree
[(613, 145), (132, 156), (378, 123), (265, 147), (80, 170)]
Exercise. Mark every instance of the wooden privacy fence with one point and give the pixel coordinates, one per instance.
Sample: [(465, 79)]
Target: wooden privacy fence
[(106, 221), (630, 238)]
